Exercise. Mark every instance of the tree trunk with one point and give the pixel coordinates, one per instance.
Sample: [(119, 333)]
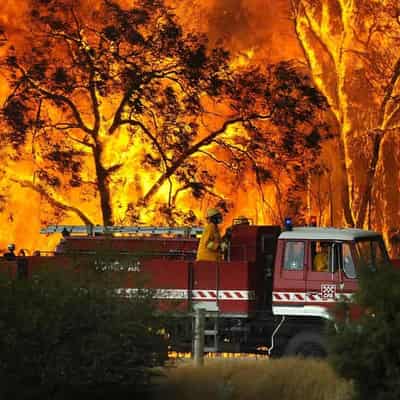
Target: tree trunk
[(103, 187), (345, 194), (366, 195)]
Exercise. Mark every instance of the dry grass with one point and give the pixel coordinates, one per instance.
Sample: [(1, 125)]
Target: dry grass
[(285, 379)]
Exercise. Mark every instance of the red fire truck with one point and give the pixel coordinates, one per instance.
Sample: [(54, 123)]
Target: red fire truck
[(269, 294)]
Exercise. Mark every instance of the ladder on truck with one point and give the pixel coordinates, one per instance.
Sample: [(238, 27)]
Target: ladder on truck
[(211, 344), (205, 331), (92, 230)]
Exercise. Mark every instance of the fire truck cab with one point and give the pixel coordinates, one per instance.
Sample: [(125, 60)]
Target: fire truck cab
[(314, 269)]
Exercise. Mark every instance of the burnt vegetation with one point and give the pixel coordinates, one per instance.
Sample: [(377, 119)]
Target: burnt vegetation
[(98, 85)]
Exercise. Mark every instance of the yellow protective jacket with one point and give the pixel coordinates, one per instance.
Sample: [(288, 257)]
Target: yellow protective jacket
[(209, 246), (320, 263)]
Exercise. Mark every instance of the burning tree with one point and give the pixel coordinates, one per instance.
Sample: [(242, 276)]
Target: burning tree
[(122, 106), (352, 49)]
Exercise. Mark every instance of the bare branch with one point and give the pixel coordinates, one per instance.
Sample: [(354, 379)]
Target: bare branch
[(54, 202), (218, 161), (189, 186), (117, 120), (150, 135), (192, 150), (58, 97), (85, 48), (113, 168), (65, 128), (389, 92)]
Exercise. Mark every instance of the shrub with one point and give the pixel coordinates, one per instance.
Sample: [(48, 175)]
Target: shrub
[(64, 330), (286, 379), (367, 349)]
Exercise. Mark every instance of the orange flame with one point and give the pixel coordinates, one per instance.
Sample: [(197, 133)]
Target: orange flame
[(254, 32)]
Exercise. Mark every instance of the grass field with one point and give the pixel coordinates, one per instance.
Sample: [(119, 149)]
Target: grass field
[(243, 379)]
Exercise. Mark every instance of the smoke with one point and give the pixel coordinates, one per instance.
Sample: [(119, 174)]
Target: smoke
[(263, 26), (13, 23), (12, 15)]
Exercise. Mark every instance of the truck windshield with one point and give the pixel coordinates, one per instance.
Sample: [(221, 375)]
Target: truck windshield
[(371, 253)]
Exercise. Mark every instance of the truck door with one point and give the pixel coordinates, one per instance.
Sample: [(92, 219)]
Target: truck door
[(266, 259), (322, 280), (348, 274), (289, 282)]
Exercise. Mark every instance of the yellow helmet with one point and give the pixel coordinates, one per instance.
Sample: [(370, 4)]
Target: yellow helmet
[(212, 211)]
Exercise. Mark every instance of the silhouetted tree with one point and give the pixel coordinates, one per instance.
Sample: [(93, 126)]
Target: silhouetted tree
[(107, 94)]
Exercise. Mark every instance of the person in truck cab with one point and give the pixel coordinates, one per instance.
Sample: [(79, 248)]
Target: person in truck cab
[(210, 241), (320, 263)]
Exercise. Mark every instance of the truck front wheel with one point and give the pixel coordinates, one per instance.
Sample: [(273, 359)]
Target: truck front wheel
[(306, 344)]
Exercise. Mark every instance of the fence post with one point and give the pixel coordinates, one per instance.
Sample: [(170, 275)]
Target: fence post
[(198, 342)]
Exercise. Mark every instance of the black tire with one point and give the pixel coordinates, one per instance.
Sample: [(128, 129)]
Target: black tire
[(306, 344)]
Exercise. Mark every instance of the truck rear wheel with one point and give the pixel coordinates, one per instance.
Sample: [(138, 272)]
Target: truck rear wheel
[(306, 344)]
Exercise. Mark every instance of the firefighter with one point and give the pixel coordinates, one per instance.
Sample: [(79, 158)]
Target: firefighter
[(10, 255), (320, 263), (210, 241)]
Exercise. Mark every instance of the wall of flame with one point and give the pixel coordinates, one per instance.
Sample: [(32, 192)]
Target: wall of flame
[(255, 31)]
